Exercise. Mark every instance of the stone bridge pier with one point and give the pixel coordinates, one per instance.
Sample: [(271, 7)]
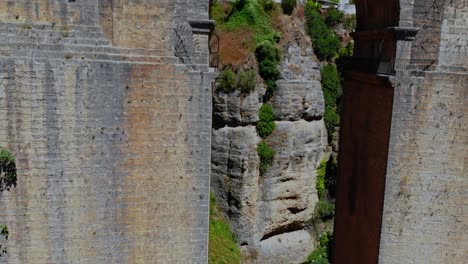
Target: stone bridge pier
[(402, 176), (107, 107)]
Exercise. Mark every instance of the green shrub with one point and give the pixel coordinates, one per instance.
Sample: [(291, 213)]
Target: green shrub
[(312, 5), (266, 154), (328, 46), (268, 57), (324, 210), (332, 91), (7, 170), (324, 40), (246, 81), (266, 123), (347, 51), (222, 246), (331, 84), (334, 17), (227, 81), (288, 6), (320, 180), (322, 253), (268, 70), (267, 51), (268, 5), (332, 120)]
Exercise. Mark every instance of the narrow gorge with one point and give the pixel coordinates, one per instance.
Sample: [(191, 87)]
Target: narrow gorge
[(272, 209)]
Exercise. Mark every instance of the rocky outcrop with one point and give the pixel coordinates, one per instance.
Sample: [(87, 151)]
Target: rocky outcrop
[(269, 212), (288, 187), (235, 108), (235, 176), (296, 100)]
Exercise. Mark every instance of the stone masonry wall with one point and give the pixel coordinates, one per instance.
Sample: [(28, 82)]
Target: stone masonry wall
[(111, 133), (424, 218)]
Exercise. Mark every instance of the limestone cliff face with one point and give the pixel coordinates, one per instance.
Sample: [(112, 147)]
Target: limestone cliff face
[(268, 212), (111, 131)]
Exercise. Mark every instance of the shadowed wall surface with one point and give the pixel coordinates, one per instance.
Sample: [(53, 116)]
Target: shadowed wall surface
[(367, 111), (110, 129)]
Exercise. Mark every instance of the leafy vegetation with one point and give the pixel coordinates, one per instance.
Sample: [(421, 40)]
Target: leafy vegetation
[(222, 242), (288, 6), (323, 251), (229, 81), (266, 154), (350, 22), (332, 91), (250, 14), (334, 17), (266, 123), (347, 51), (325, 184), (268, 57), (324, 210), (331, 84), (320, 182), (268, 5), (246, 81), (324, 40), (7, 170)]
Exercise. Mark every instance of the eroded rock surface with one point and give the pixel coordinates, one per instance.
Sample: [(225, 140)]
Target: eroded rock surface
[(235, 108), (288, 187), (296, 100), (235, 176)]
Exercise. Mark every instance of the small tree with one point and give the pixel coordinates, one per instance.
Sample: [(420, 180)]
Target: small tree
[(288, 6)]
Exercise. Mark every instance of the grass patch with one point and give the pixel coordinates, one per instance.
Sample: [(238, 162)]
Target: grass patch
[(222, 247), (250, 14)]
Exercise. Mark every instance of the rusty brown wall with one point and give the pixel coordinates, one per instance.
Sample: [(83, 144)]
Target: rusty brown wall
[(111, 135), (365, 132)]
